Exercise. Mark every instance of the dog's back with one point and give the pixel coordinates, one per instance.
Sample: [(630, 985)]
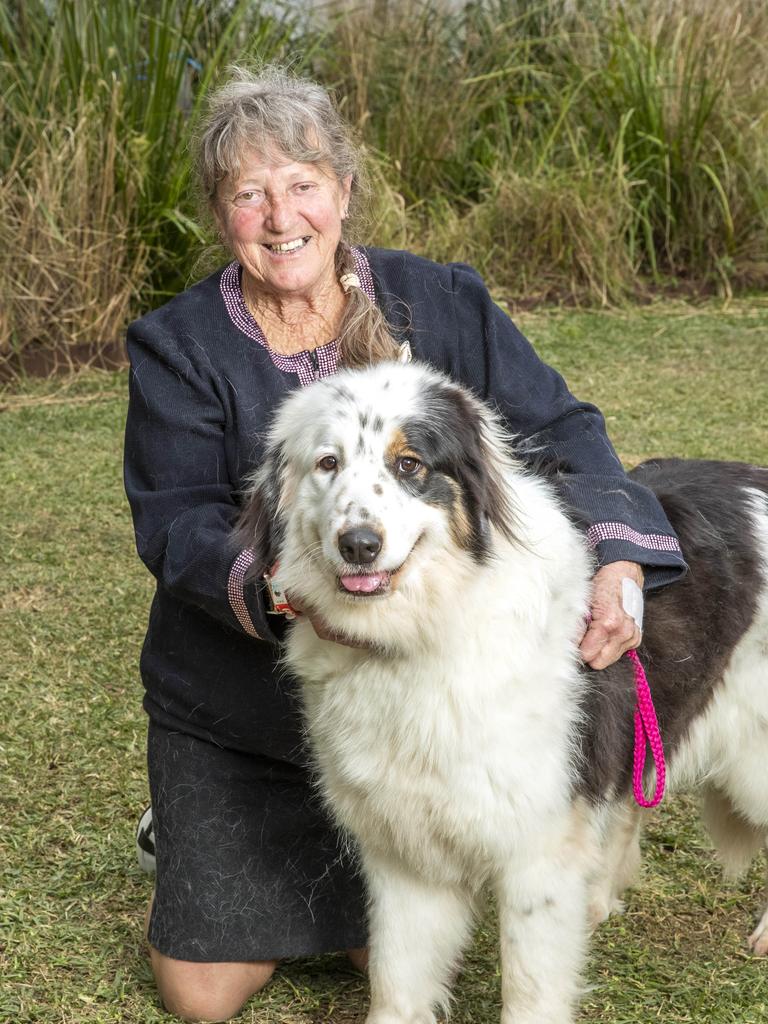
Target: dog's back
[(696, 632)]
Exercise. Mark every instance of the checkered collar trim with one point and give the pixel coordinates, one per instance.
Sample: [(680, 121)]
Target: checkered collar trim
[(309, 365)]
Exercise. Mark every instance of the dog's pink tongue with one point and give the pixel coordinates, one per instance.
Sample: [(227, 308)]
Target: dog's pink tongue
[(365, 584)]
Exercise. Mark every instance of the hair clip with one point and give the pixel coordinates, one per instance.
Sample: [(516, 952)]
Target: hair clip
[(349, 281)]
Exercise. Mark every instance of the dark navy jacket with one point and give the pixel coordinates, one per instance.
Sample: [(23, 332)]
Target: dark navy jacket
[(204, 385)]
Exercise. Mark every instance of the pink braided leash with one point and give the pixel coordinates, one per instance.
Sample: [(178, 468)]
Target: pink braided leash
[(646, 734)]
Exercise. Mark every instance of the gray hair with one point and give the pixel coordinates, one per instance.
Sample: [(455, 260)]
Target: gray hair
[(274, 111)]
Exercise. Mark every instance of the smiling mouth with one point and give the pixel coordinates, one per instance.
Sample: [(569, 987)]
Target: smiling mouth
[(367, 584), (285, 248), (372, 583)]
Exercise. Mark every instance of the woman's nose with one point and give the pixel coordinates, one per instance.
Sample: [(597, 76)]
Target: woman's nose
[(280, 213)]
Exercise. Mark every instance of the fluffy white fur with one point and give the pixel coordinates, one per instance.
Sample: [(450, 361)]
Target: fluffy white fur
[(443, 745)]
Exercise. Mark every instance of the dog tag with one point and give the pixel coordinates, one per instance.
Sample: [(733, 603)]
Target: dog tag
[(280, 603)]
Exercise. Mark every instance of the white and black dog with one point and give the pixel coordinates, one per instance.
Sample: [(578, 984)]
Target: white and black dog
[(465, 745)]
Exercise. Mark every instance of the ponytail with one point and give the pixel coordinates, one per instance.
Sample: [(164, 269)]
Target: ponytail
[(364, 336)]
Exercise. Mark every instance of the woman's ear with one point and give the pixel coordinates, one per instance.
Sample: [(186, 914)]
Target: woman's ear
[(219, 218), (346, 195)]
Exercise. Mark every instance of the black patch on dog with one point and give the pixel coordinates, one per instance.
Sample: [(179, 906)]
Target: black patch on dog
[(434, 487), (258, 526), (363, 417), (691, 627), (378, 424), (450, 436)]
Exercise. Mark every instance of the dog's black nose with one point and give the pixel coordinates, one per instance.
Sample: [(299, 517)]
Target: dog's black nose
[(359, 546)]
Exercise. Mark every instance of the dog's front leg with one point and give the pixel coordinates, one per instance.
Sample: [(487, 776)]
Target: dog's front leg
[(417, 933), (543, 930)]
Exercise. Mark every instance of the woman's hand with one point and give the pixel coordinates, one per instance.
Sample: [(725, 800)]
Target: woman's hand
[(611, 631)]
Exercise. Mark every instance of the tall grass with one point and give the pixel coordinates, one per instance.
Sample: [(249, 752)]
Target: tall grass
[(97, 102), (71, 259), (681, 103), (585, 152)]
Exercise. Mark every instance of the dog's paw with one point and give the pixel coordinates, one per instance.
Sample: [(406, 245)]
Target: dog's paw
[(601, 909), (758, 940)]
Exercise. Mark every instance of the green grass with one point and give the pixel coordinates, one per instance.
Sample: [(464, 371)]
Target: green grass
[(73, 603)]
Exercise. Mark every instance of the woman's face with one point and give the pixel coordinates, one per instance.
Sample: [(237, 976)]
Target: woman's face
[(282, 221)]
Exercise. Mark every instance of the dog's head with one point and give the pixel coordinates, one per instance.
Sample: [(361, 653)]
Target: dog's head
[(379, 487)]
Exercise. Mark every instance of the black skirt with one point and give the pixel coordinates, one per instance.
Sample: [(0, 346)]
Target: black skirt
[(249, 867)]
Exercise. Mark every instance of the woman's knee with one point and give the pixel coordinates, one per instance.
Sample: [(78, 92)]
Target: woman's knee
[(208, 992)]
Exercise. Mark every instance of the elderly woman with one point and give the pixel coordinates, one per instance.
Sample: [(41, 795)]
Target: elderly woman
[(248, 868)]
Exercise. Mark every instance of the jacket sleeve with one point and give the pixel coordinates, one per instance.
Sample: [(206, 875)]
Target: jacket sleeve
[(623, 519), (181, 497)]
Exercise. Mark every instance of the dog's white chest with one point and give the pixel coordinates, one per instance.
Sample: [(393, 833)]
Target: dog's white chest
[(445, 770)]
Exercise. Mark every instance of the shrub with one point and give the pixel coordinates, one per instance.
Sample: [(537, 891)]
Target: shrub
[(583, 152)]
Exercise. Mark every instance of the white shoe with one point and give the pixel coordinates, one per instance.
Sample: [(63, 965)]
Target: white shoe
[(145, 842)]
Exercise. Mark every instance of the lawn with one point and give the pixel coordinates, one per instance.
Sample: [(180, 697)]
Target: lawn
[(672, 380)]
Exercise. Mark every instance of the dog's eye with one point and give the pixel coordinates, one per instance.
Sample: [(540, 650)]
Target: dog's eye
[(328, 463), (407, 465)]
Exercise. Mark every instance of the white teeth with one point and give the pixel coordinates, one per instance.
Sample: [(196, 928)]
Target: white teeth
[(297, 243)]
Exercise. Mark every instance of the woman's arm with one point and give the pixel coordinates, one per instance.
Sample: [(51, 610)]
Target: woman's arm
[(623, 519), (178, 485)]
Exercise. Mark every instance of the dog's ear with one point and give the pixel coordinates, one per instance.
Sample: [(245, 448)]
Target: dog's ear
[(483, 468), (463, 439), (259, 525)]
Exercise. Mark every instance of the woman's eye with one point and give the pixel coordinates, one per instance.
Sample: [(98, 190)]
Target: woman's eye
[(328, 463), (305, 186), (407, 465), (248, 198)]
